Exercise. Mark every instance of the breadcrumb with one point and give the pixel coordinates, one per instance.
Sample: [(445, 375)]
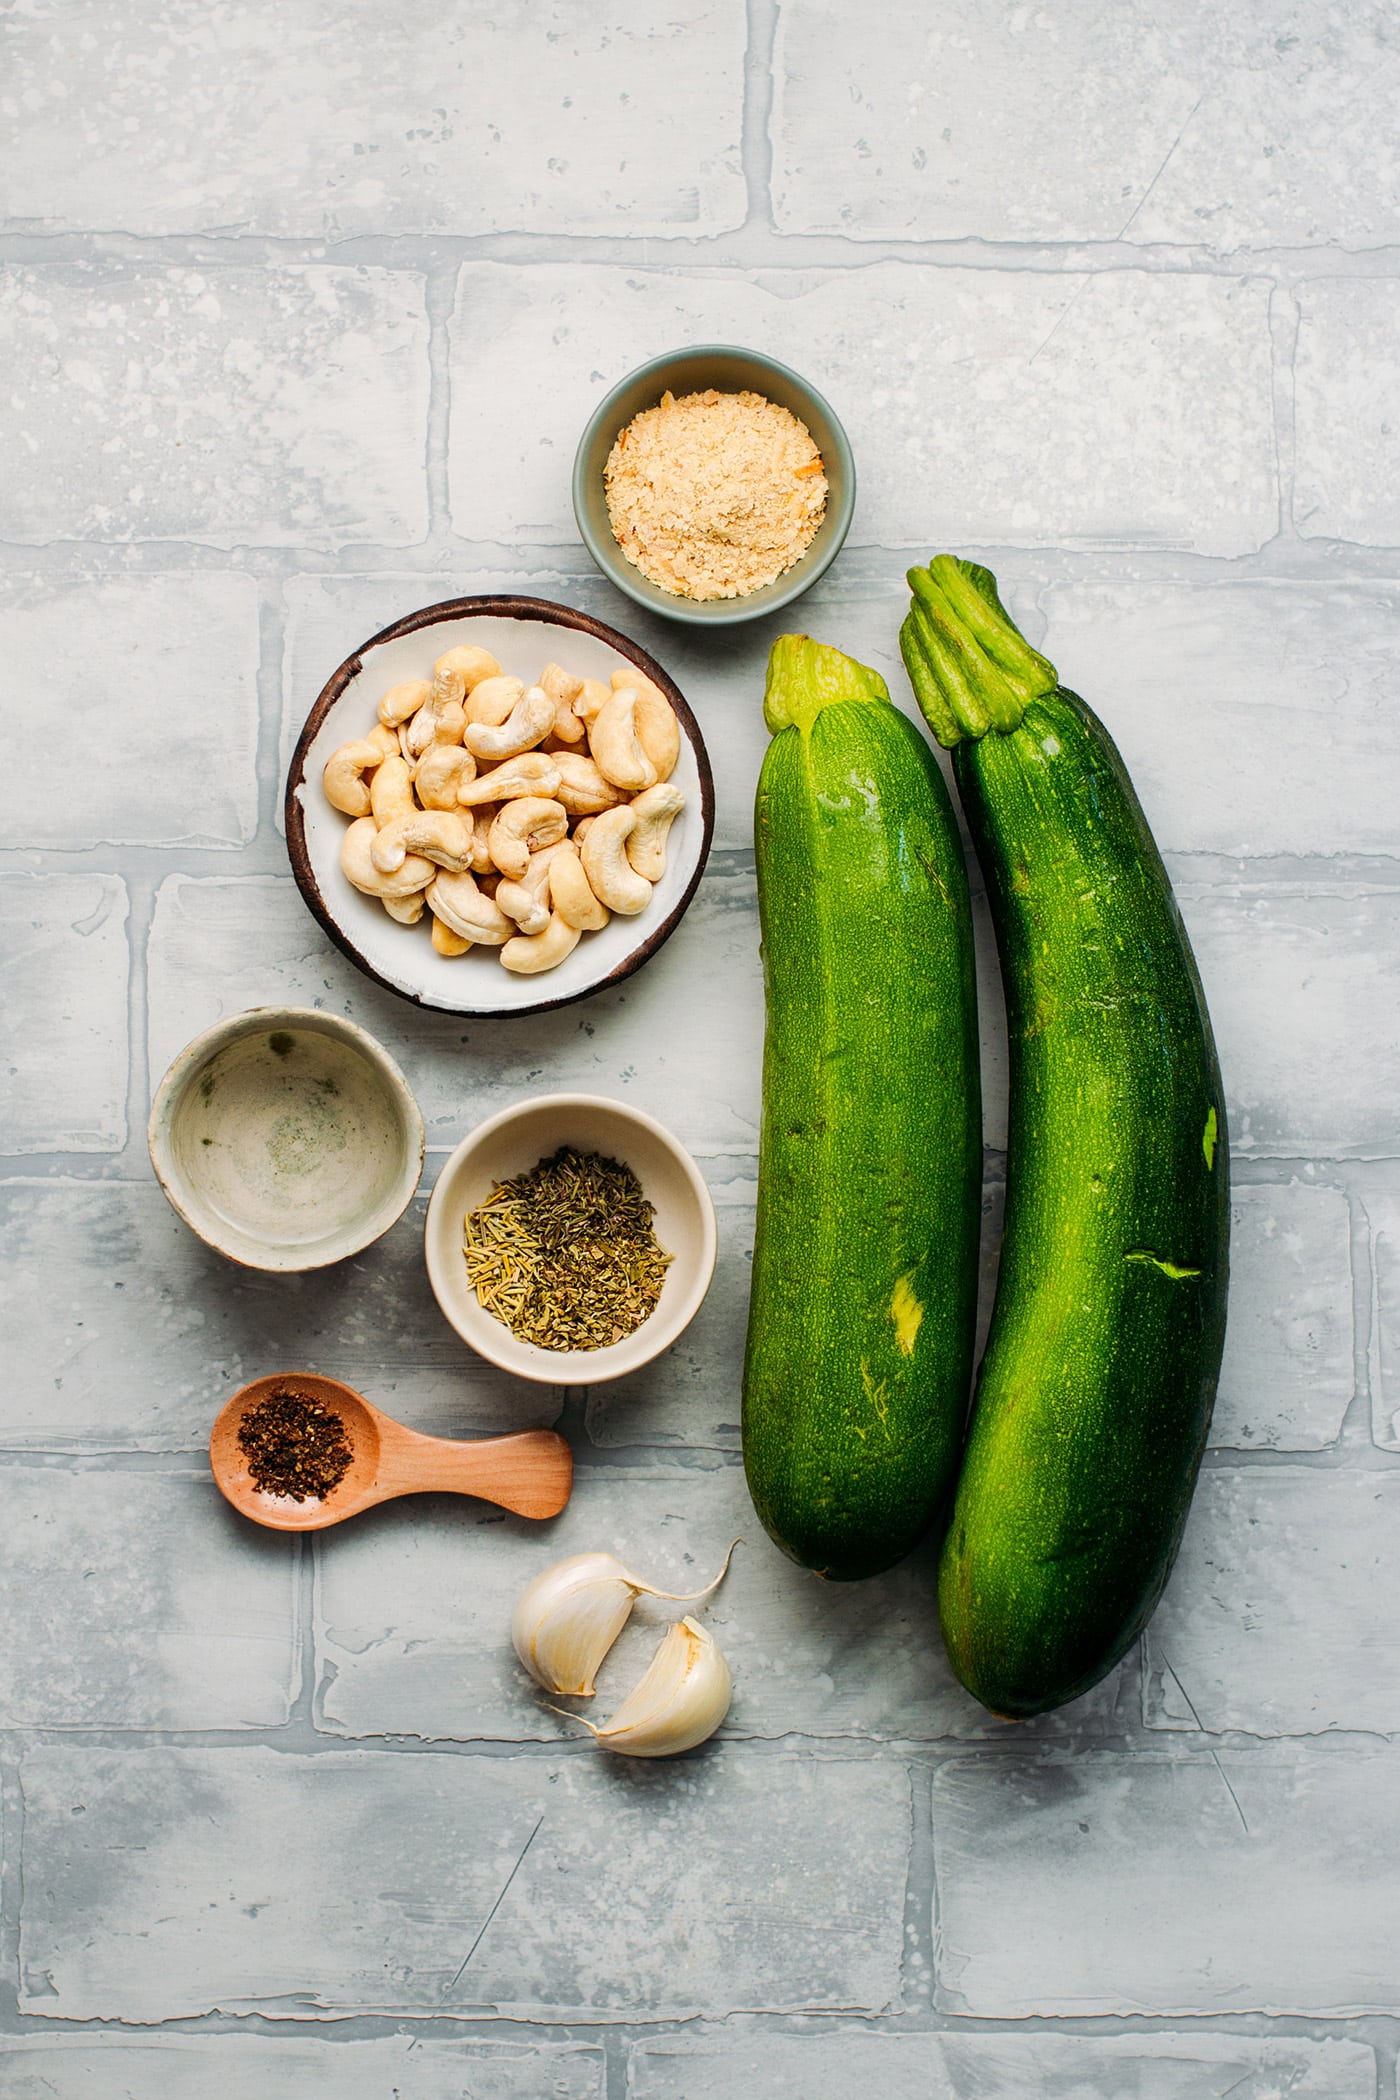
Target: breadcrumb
[(714, 495)]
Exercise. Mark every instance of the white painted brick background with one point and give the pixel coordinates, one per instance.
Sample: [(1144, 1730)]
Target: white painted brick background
[(301, 310)]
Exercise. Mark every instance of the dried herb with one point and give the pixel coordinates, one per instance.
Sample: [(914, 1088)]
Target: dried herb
[(566, 1255), (295, 1447)]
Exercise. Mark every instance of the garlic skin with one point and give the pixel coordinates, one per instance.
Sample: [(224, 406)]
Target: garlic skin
[(680, 1702), (567, 1618)]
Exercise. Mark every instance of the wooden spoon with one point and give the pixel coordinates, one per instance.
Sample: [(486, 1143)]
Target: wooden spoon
[(530, 1472)]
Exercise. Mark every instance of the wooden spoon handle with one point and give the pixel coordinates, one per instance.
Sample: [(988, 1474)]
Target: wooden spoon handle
[(531, 1472)]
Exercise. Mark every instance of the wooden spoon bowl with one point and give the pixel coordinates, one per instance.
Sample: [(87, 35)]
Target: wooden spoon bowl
[(530, 1473)]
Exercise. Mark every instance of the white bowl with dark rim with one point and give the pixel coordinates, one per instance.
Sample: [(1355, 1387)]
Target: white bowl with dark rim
[(524, 634), (509, 1144)]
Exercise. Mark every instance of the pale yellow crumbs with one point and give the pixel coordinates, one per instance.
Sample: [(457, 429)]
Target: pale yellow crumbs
[(714, 495)]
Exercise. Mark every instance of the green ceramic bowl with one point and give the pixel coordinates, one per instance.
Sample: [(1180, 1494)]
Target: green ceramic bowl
[(731, 371)]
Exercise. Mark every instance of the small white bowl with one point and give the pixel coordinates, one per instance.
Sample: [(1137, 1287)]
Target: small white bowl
[(523, 634), (516, 1140), (286, 1138)]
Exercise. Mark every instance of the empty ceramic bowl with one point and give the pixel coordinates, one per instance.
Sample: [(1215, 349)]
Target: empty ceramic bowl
[(286, 1138), (523, 634), (730, 371), (510, 1144)]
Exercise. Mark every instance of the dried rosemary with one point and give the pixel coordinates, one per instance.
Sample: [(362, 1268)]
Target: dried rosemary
[(295, 1447), (566, 1255)]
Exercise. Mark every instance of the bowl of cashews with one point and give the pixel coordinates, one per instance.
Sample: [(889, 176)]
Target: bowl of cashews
[(499, 805)]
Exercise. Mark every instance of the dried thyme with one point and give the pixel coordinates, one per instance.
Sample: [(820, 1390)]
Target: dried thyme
[(295, 1447), (566, 1255)]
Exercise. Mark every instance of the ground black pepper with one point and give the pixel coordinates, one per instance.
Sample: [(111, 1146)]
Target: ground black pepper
[(295, 1447)]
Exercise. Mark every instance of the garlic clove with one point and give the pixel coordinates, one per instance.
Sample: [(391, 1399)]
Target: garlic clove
[(567, 1618), (680, 1702)]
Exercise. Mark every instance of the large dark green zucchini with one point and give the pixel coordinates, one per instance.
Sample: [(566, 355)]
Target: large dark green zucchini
[(860, 1339), (1095, 1392)]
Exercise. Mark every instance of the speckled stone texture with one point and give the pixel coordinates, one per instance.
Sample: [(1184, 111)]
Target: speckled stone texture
[(302, 308)]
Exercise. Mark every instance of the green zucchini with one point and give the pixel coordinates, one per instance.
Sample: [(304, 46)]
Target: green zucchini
[(861, 1321), (1095, 1391)]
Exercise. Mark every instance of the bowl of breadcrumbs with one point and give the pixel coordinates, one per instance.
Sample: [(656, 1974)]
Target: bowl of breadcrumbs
[(714, 485)]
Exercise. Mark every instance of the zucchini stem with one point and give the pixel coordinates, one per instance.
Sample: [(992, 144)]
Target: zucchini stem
[(805, 676), (971, 668)]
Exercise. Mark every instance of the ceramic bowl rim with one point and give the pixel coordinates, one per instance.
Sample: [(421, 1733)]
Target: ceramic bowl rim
[(578, 1366), (503, 606), (830, 537), (188, 1062)]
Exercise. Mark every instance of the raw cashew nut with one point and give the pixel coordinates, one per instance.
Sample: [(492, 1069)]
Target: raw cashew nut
[(407, 910), (483, 818), (440, 835), (456, 900), (404, 700), (581, 830), (492, 700), (530, 914), (531, 719), (591, 695), (386, 739), (541, 951), (436, 722), (527, 901), (571, 894), (523, 826), (391, 792), (563, 688), (344, 788), (658, 731), (446, 941), (611, 876), (655, 810), (583, 788), (357, 865), (529, 774), (440, 772), (459, 670), (613, 741)]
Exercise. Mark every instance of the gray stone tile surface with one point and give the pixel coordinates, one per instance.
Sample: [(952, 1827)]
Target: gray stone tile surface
[(339, 119), (113, 678), (1200, 127), (302, 309), (64, 960), (1304, 992), (966, 2066), (1217, 699), (413, 1613), (171, 1882), (1385, 1224), (1274, 1561), (182, 2066), (134, 1332), (225, 405), (1348, 381), (222, 945), (1289, 1372), (1157, 389), (1145, 1883), (139, 1600)]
